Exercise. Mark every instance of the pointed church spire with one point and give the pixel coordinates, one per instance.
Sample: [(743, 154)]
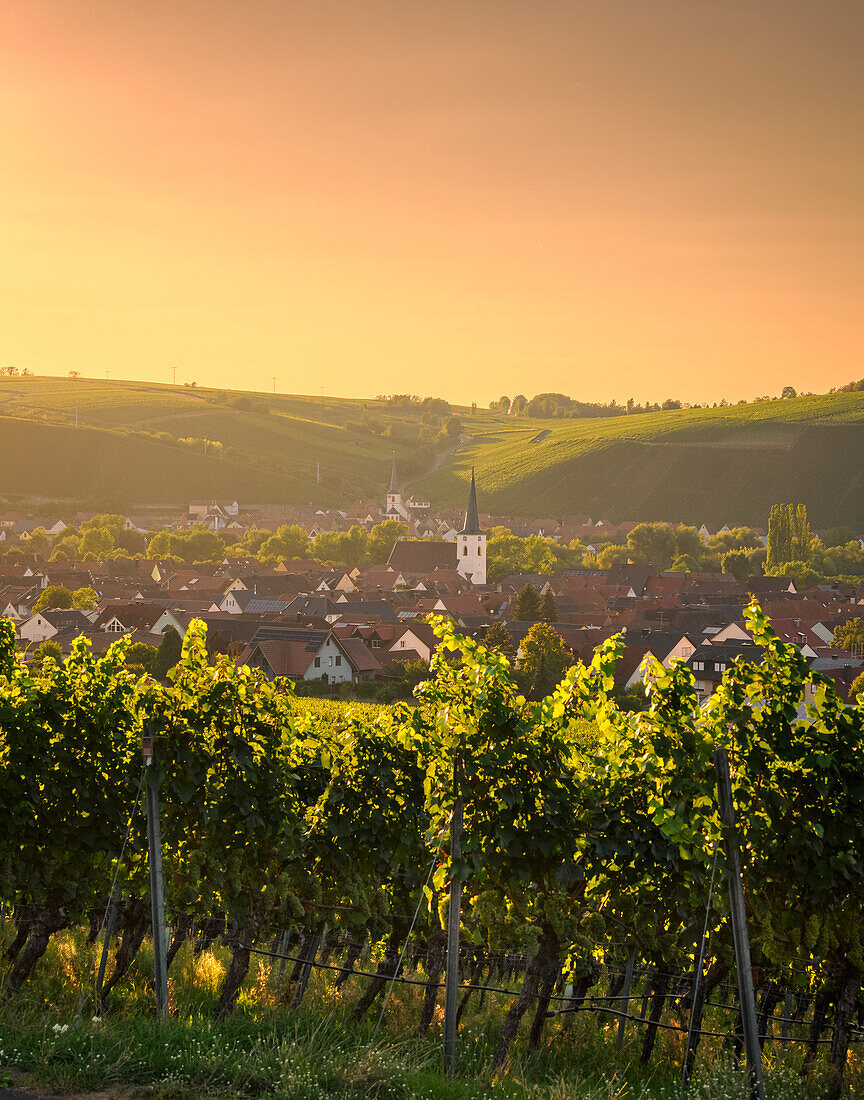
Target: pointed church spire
[(471, 526), (394, 480)]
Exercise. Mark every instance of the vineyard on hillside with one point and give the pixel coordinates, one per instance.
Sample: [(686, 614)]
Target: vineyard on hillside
[(676, 465), (318, 836), (114, 443)]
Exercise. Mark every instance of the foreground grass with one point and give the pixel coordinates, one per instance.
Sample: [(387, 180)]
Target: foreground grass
[(265, 1050)]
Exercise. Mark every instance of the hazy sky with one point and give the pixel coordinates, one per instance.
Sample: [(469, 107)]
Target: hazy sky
[(609, 198)]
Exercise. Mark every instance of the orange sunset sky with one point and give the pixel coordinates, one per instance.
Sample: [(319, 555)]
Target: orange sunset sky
[(466, 198)]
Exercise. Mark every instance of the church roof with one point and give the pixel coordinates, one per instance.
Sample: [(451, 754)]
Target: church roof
[(471, 526), (394, 480), (411, 556)]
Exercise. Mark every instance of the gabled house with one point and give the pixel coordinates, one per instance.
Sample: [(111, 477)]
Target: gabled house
[(418, 638), (51, 622), (298, 653), (710, 661)]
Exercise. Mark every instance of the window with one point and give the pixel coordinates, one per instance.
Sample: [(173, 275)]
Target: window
[(330, 661), (686, 650), (464, 551), (721, 666), (338, 660), (698, 665), (376, 643), (317, 662), (402, 643)]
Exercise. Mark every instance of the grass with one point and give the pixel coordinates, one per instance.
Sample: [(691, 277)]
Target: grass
[(316, 1053), (695, 465), (278, 448)]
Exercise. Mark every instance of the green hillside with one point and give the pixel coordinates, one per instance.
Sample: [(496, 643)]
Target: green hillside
[(710, 465), (274, 449), (724, 464)]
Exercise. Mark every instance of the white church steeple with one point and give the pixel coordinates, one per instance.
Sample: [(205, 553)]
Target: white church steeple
[(471, 542), (395, 505)]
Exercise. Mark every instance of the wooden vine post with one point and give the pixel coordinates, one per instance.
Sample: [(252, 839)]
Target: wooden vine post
[(739, 927), (454, 913), (157, 894)]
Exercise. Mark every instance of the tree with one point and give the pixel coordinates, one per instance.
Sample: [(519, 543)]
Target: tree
[(688, 542), (542, 661), (788, 391), (528, 606), (517, 407), (195, 544), (168, 653), (847, 560), (803, 541), (654, 542), (507, 554), (837, 536), (612, 554), (290, 541), (84, 599), (503, 553), (739, 538), (141, 656), (741, 564), (849, 636), (408, 674), (779, 536), (345, 548), (250, 542), (67, 546), (132, 544), (790, 537), (382, 538), (39, 543), (549, 610), (801, 572), (684, 563), (539, 555), (55, 595), (499, 639), (99, 536), (48, 648)]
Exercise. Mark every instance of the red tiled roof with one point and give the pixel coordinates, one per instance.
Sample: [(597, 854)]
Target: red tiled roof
[(361, 659)]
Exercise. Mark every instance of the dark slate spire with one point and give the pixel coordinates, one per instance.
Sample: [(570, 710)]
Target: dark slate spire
[(394, 480), (471, 526)]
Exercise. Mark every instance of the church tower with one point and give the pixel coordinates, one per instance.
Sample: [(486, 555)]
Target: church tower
[(395, 506), (471, 542)]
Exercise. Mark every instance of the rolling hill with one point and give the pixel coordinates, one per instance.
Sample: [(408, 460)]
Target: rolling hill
[(709, 465), (705, 465)]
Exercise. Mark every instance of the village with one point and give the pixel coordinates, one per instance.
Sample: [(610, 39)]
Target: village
[(364, 630)]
